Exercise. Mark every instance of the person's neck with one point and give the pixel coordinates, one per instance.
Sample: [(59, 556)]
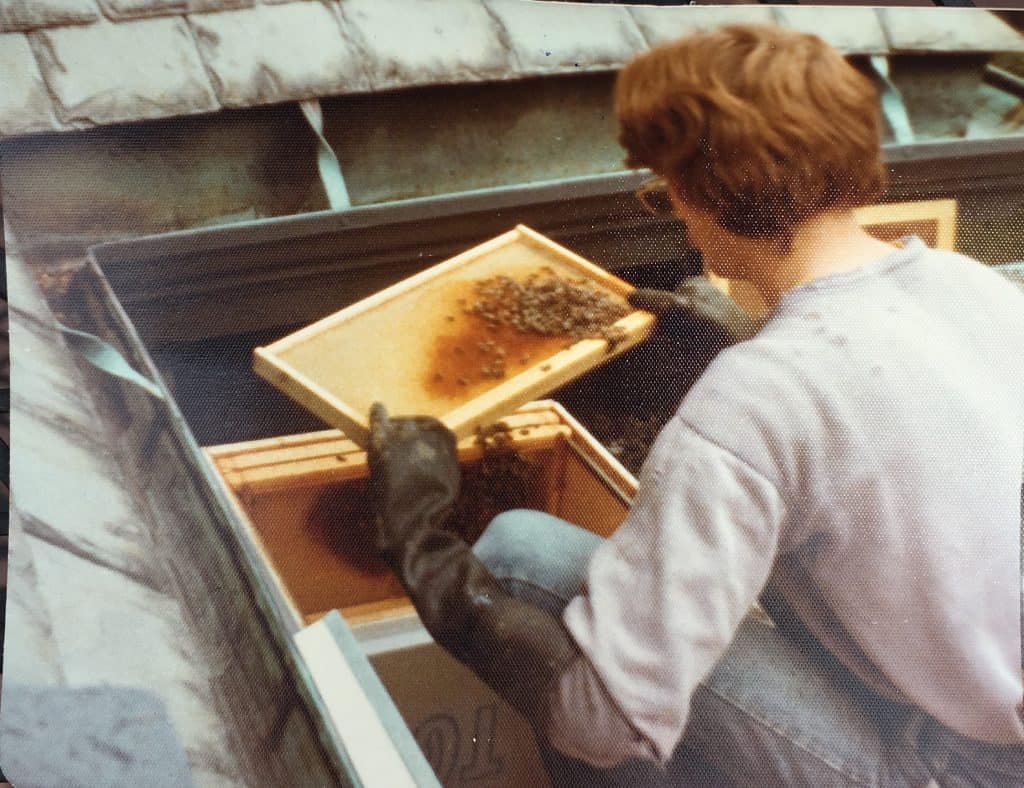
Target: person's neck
[(830, 243)]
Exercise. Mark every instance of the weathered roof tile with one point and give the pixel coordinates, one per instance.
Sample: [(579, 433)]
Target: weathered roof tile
[(107, 72), (277, 53), (33, 14), (948, 30), (95, 71), (552, 37), (119, 10), (24, 103), (660, 25), (849, 29), (427, 42)]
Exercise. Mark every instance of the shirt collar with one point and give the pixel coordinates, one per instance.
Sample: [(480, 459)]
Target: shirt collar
[(911, 246)]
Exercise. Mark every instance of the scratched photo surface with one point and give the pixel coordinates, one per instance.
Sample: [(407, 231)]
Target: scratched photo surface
[(192, 590)]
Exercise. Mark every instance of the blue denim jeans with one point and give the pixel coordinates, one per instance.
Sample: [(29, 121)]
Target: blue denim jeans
[(772, 712)]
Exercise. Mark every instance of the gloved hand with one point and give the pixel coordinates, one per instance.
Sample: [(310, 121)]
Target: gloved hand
[(517, 649), (414, 478), (697, 312)]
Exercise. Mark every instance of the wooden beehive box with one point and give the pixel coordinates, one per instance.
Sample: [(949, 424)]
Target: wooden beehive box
[(296, 496), (300, 497), (414, 347)]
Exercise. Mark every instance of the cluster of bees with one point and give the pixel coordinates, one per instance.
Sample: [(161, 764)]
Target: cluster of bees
[(498, 358), (548, 305), (503, 479), (545, 305)]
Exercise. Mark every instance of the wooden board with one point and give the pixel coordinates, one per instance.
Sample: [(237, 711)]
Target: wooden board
[(294, 461), (413, 347), (934, 221)]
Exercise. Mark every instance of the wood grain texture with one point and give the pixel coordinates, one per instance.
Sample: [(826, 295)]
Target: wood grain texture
[(390, 346)]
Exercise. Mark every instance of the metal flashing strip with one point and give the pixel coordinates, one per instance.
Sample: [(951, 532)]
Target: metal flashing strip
[(105, 358), (893, 108), (492, 199), (327, 161)]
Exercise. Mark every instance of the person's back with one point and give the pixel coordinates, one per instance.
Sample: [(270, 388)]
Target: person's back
[(860, 457), (887, 405)]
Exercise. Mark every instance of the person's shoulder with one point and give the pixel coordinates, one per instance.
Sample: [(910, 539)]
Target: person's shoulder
[(753, 381), (764, 360), (962, 284), (751, 403), (971, 270)]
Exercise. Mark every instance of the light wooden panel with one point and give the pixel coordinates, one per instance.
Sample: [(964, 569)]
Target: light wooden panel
[(584, 498), (390, 346), (933, 220)]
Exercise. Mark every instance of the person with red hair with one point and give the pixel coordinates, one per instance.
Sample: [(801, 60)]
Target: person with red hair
[(853, 463)]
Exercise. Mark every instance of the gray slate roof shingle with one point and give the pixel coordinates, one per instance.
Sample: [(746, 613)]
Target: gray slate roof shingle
[(106, 72), (850, 30), (663, 24), (548, 38), (278, 53), (132, 9), (16, 15), (426, 43), (24, 103), (201, 6), (947, 30), (79, 63)]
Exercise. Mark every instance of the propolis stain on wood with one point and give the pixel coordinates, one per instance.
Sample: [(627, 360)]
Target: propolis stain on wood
[(468, 361)]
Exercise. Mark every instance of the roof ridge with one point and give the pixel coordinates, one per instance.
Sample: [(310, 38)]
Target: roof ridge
[(83, 63)]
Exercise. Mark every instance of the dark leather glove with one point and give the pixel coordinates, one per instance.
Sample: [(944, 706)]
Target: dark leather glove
[(698, 313), (517, 649)]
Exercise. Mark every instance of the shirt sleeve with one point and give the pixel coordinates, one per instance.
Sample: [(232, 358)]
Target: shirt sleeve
[(665, 596), (605, 738)]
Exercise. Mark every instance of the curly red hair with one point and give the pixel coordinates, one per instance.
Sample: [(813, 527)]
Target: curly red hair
[(760, 126)]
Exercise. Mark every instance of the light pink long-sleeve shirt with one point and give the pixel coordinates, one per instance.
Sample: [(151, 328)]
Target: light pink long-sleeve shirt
[(867, 446)]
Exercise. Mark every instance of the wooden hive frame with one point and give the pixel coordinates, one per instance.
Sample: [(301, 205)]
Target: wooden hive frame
[(542, 376)]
